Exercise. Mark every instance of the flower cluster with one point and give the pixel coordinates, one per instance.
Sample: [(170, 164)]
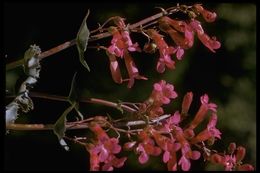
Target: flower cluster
[(232, 160), (178, 145), (180, 31), (121, 45), (103, 150), (161, 95)]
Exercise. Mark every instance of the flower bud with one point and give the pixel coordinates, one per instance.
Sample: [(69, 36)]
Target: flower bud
[(216, 158), (186, 103), (241, 152), (231, 148)]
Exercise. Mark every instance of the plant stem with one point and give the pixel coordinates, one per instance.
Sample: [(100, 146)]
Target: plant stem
[(70, 43), (82, 99), (77, 125)]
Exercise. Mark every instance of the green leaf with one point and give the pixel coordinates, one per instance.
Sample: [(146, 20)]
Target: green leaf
[(73, 96), (82, 41), (60, 126)]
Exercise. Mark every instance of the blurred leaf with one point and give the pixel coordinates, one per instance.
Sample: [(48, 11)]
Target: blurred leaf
[(60, 126), (82, 41), (73, 96)]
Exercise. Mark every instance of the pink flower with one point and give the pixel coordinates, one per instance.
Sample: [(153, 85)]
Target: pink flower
[(210, 43), (164, 50), (117, 44), (146, 147), (171, 122), (187, 154), (128, 42), (233, 161), (169, 147), (114, 68), (207, 15), (103, 150), (182, 34), (132, 70), (162, 93), (202, 112), (210, 132), (205, 99), (155, 111)]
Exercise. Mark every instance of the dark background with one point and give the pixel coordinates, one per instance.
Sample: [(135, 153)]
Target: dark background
[(228, 77)]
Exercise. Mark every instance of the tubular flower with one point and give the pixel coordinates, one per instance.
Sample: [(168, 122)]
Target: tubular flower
[(210, 132), (186, 103), (132, 70), (121, 43), (164, 50), (114, 68), (180, 32), (207, 15), (202, 112), (103, 150), (210, 43), (169, 147), (187, 153)]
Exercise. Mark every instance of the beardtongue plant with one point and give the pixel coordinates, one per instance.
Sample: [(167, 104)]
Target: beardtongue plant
[(150, 131)]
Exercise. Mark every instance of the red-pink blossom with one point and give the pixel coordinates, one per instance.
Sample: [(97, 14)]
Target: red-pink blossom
[(233, 160), (187, 154), (132, 70), (207, 15), (146, 147), (202, 112), (162, 93), (210, 43), (114, 68), (164, 50), (103, 150), (210, 132), (180, 32)]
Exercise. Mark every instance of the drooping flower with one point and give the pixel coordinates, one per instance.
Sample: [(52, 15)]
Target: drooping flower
[(132, 70), (207, 15), (114, 68), (103, 150), (187, 154), (164, 50), (117, 44), (146, 147), (170, 147), (180, 32), (121, 45), (210, 43)]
